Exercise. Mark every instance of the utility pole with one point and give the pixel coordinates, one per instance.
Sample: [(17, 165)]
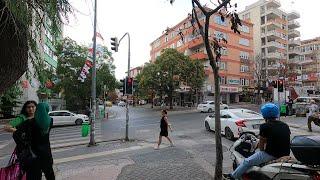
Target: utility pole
[(115, 45), (104, 100), (94, 77)]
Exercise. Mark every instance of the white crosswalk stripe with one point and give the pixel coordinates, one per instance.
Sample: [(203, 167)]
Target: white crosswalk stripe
[(71, 136)]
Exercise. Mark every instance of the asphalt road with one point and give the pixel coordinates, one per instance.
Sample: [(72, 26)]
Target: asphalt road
[(143, 126)]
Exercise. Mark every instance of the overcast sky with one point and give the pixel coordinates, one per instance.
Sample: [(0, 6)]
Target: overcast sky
[(145, 20)]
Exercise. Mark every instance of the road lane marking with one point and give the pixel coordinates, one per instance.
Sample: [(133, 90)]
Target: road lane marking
[(61, 145), (98, 154), (62, 149), (73, 139)]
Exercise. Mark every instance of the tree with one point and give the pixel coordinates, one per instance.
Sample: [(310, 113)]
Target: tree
[(259, 75), (20, 24), (71, 58), (8, 100), (171, 63), (148, 81), (213, 47), (195, 74)]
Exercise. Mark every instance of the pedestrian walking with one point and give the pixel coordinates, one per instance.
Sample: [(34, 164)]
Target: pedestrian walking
[(32, 138), (164, 126), (290, 104), (313, 115)]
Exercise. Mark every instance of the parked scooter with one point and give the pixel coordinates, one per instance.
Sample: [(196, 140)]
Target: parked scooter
[(306, 150)]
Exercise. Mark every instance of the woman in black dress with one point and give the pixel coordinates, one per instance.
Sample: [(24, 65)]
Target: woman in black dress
[(164, 125)]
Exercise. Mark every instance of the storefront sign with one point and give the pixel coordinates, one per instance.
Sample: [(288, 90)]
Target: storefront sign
[(233, 81), (229, 89)]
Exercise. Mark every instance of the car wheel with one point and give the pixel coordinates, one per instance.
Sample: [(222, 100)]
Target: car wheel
[(225, 108), (206, 124), (209, 110), (79, 121), (228, 133)]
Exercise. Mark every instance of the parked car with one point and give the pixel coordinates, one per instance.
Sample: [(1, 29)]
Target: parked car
[(142, 102), (235, 121), (208, 106), (65, 117), (301, 104), (121, 103)]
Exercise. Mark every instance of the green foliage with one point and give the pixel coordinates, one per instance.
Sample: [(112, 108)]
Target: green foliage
[(168, 72), (8, 100), (71, 58)]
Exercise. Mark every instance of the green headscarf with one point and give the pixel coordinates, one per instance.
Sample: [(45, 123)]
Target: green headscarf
[(43, 120)]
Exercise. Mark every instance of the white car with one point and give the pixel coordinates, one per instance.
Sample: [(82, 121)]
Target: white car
[(65, 117), (236, 121), (122, 104), (208, 106)]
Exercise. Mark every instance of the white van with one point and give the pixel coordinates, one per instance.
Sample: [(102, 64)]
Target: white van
[(300, 105)]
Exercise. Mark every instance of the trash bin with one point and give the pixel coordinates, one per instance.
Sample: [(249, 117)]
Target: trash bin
[(85, 129), (283, 110)]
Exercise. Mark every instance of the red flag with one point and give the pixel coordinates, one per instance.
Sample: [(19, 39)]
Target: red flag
[(98, 35)]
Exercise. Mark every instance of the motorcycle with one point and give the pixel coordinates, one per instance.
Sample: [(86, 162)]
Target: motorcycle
[(305, 165)]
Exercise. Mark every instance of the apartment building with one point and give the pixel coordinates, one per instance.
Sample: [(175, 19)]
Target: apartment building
[(135, 71), (306, 66), (236, 61), (275, 38)]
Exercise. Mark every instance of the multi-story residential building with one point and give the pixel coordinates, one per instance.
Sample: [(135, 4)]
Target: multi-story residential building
[(274, 34), (306, 66), (135, 71), (235, 66)]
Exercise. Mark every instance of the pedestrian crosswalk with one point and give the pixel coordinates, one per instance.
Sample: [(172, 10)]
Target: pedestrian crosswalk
[(71, 136)]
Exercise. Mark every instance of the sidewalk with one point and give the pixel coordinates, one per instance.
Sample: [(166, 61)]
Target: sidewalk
[(175, 108), (136, 160)]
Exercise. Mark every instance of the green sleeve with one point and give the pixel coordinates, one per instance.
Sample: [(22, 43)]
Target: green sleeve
[(17, 121)]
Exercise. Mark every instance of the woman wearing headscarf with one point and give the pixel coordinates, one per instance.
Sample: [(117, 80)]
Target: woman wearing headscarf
[(37, 130), (40, 144)]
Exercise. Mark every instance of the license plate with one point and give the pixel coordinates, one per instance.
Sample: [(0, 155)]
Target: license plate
[(256, 126)]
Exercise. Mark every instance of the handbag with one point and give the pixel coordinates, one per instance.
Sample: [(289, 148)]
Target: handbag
[(13, 170)]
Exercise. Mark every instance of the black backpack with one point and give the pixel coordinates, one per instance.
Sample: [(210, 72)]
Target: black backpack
[(22, 137)]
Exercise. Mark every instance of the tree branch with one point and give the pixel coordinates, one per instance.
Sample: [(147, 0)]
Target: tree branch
[(225, 2), (200, 7)]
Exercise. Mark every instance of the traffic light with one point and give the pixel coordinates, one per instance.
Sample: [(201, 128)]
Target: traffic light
[(129, 85), (114, 44), (122, 86), (280, 85)]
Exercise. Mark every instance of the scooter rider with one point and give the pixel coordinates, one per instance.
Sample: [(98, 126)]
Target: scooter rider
[(274, 142)]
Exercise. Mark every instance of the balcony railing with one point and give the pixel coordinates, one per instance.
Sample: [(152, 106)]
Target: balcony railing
[(293, 24), (294, 51), (274, 11), (295, 42), (293, 15), (274, 56), (293, 33), (274, 44)]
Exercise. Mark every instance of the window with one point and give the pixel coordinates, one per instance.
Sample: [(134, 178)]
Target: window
[(220, 35), (173, 34), (166, 39), (246, 16), (244, 68), (222, 80), (217, 20), (173, 45), (224, 51), (245, 29), (243, 81), (244, 55), (222, 65), (244, 42), (179, 43), (157, 54)]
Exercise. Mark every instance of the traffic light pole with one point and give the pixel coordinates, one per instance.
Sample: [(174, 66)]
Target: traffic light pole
[(127, 102), (93, 86)]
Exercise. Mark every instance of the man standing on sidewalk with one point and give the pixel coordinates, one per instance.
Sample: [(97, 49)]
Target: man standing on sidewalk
[(313, 115)]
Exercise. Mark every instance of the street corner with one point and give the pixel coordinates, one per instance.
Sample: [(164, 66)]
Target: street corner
[(165, 163)]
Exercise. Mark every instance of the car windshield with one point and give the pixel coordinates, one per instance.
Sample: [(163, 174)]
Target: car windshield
[(207, 102), (247, 114), (302, 100)]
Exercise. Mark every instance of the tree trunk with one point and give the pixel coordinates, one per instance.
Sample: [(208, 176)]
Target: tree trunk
[(152, 100), (219, 153), (170, 99)]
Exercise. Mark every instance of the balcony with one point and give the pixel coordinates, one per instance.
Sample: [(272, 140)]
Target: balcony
[(273, 13), (293, 24), (274, 56), (195, 43), (294, 42), (273, 4), (272, 24), (293, 15), (273, 46), (273, 67), (294, 60), (199, 55), (294, 51), (293, 34), (272, 35)]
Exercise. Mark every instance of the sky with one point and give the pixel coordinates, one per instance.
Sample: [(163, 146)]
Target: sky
[(145, 20)]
